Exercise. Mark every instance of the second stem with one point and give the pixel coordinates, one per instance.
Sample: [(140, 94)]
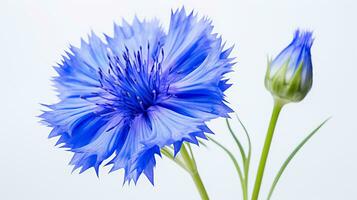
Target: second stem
[(263, 158), (191, 164)]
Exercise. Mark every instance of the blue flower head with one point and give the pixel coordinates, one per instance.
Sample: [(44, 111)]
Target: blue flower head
[(139, 91), (289, 75)]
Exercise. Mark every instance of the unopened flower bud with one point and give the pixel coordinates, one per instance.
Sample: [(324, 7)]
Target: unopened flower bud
[(289, 75)]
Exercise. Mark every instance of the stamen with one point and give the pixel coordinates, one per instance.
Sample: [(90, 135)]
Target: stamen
[(141, 105), (154, 93), (129, 78)]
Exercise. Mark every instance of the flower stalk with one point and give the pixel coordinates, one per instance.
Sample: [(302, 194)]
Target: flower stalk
[(192, 169), (278, 104)]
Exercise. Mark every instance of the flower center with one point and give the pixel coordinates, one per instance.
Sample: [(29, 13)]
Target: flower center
[(132, 83)]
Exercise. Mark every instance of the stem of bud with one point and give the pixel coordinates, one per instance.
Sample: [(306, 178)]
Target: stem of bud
[(278, 104)]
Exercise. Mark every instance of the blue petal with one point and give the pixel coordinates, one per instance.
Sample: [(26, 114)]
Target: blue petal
[(101, 147), (294, 54), (170, 128), (187, 44), (129, 153), (146, 35)]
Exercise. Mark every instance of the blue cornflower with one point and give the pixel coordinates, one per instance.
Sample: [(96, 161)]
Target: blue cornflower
[(289, 75), (142, 90)]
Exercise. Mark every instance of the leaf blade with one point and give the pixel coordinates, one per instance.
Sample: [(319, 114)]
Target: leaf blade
[(291, 156), (240, 146), (166, 152), (234, 160), (247, 161)]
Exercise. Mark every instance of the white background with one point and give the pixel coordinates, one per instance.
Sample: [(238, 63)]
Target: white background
[(34, 35)]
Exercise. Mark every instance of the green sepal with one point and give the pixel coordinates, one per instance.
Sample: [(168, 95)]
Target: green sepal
[(292, 90)]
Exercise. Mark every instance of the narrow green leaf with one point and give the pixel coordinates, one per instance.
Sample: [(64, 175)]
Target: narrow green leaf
[(241, 149), (236, 164), (169, 154), (247, 161), (290, 157), (166, 151), (248, 138), (202, 143), (191, 154), (247, 134)]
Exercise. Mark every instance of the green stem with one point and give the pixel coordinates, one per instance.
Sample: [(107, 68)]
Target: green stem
[(263, 158), (191, 164)]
